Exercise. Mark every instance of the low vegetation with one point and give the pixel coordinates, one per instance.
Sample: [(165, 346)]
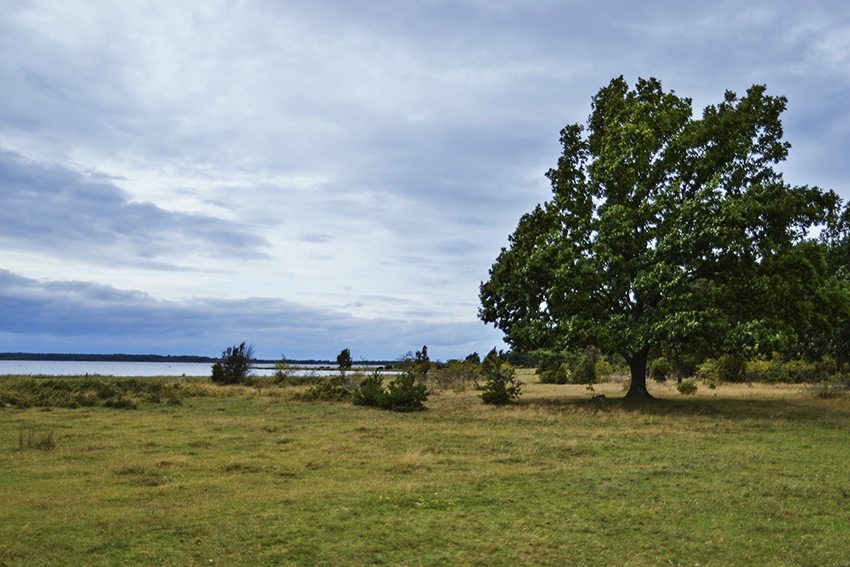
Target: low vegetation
[(742, 474), (75, 392)]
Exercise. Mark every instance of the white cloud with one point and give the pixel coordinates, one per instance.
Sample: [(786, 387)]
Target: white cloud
[(334, 153)]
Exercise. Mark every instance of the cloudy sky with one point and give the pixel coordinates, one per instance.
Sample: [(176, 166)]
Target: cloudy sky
[(307, 175)]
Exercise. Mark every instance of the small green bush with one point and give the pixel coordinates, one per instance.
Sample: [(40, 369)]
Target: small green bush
[(327, 391), (370, 391), (501, 385), (585, 370), (660, 369), (687, 387), (730, 368), (406, 393), (559, 374), (75, 392), (234, 365), (603, 368), (554, 367), (456, 374)]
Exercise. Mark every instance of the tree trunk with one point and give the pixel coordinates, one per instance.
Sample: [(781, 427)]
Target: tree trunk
[(637, 386)]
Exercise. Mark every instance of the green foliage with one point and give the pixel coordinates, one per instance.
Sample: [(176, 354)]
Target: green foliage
[(660, 369), (405, 393), (457, 374), (331, 390), (585, 370), (284, 371), (555, 367), (218, 373), (501, 385), (118, 393), (370, 391), (234, 365), (604, 368), (473, 358), (687, 387), (671, 231), (421, 363), (726, 368), (343, 360)]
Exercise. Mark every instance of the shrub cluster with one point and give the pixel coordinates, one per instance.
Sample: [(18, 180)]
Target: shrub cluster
[(734, 368), (501, 385), (660, 369), (70, 392), (405, 392), (687, 387), (332, 390), (234, 365), (457, 374)]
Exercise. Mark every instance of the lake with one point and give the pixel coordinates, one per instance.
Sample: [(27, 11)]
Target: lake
[(105, 368)]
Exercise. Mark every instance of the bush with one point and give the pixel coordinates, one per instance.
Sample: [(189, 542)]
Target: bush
[(730, 368), (687, 387), (73, 392), (370, 391), (559, 374), (327, 391), (457, 374), (585, 370), (234, 365), (405, 393), (554, 367), (603, 368), (501, 384), (660, 369), (284, 371)]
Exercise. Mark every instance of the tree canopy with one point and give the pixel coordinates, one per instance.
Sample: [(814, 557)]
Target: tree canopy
[(668, 231), (343, 359)]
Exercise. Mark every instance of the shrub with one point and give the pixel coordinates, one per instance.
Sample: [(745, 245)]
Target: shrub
[(554, 367), (559, 374), (501, 384), (343, 360), (405, 393), (585, 370), (457, 374), (327, 391), (604, 368), (75, 392), (730, 368), (284, 371), (660, 369), (234, 365), (370, 391), (687, 387)]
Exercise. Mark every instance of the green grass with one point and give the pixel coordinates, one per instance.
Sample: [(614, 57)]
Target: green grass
[(235, 475)]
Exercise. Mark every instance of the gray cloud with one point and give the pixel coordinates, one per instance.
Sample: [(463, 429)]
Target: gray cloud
[(51, 208), (72, 316), (369, 149)]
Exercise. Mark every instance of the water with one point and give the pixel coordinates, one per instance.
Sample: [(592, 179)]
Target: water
[(105, 368)]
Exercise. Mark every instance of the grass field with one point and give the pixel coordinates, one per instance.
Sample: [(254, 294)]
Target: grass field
[(734, 476)]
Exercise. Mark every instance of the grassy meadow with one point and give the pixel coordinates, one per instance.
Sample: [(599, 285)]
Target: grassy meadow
[(739, 475)]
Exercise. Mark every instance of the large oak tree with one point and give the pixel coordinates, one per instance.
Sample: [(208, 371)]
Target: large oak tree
[(666, 231)]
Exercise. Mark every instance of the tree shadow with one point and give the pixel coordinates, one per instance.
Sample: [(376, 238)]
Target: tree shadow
[(730, 408)]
